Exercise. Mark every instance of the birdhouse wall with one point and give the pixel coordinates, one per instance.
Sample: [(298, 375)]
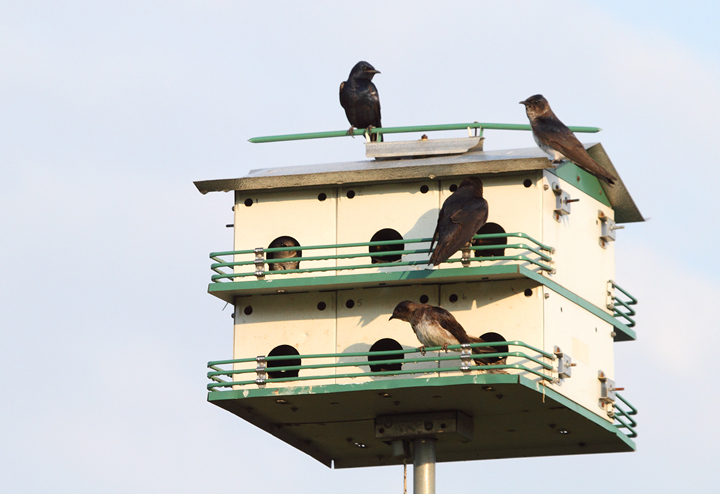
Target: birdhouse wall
[(299, 214), (511, 205), (588, 340), (582, 264), (367, 321), (402, 207), (264, 322), (500, 307)]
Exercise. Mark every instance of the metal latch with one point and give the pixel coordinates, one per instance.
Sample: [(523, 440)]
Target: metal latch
[(562, 201), (607, 389), (261, 371), (565, 364), (259, 263), (607, 228)]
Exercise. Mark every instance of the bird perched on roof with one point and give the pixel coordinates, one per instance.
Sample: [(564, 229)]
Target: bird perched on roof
[(359, 98), (557, 140), (435, 326), (284, 241), (461, 216)]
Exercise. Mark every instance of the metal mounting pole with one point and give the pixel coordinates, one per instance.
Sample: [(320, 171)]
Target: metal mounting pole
[(424, 466)]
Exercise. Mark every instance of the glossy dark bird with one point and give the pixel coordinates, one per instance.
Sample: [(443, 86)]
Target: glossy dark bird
[(284, 241), (435, 326), (359, 98), (558, 141), (461, 216)]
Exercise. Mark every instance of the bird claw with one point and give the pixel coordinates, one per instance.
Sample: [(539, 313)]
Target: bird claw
[(422, 350), (444, 347), (351, 132)]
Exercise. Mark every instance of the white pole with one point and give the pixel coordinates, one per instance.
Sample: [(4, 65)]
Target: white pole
[(424, 466)]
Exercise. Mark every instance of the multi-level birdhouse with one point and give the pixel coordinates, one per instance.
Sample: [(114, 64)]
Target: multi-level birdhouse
[(323, 254)]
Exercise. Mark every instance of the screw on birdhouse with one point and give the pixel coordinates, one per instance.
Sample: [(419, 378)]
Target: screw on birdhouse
[(607, 389), (424, 137)]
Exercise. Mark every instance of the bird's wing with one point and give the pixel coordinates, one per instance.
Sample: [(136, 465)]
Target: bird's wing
[(448, 322), (562, 139), (342, 85), (376, 105)]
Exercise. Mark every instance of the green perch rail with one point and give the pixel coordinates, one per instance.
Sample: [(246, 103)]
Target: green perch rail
[(406, 129)]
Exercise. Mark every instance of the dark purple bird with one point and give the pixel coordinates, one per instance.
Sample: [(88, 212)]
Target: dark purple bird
[(359, 98), (461, 216), (558, 141)]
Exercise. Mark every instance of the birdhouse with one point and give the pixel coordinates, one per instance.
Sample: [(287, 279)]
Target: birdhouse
[(323, 254)]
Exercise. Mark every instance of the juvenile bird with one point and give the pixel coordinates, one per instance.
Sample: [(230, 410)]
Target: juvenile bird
[(435, 326), (359, 98), (557, 140), (461, 216), (284, 241)]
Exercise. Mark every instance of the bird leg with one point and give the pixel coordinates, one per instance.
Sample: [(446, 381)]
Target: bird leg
[(421, 350), (444, 347), (368, 135), (351, 131)]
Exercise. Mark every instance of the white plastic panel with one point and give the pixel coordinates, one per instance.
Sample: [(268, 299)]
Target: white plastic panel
[(587, 340), (298, 214), (401, 207), (511, 205), (286, 319), (582, 265), (359, 327), (499, 307)]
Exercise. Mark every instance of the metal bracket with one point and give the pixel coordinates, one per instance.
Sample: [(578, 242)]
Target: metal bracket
[(562, 201), (565, 364), (607, 228), (430, 424), (466, 255), (607, 389), (465, 360), (610, 295), (261, 371), (259, 263)]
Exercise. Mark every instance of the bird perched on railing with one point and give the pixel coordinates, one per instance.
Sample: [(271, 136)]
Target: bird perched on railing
[(359, 98), (284, 241), (461, 216), (435, 326), (558, 141)]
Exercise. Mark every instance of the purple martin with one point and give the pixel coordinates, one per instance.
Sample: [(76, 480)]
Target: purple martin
[(461, 216), (359, 98), (435, 326), (284, 241), (558, 141)]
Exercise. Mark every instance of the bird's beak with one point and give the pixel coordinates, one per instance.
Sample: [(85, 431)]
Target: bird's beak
[(373, 71), (392, 317), (523, 102)]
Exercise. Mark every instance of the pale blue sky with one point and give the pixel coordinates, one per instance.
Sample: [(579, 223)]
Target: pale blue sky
[(109, 112)]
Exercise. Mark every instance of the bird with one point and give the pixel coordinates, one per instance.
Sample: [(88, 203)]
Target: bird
[(435, 326), (461, 216), (284, 241), (558, 141), (359, 97)]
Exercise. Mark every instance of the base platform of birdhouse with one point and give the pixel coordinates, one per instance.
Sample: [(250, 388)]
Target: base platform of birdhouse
[(504, 416)]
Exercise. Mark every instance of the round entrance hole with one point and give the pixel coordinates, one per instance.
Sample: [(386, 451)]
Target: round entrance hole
[(486, 229), (376, 251), (283, 350), (386, 344)]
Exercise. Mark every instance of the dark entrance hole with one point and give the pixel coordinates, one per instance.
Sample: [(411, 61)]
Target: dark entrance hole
[(284, 241), (283, 350), (490, 228), (492, 337), (385, 344), (376, 250)]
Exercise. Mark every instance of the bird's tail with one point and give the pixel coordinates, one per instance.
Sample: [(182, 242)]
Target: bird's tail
[(484, 350)]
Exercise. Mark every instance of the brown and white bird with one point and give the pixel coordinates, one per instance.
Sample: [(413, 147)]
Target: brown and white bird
[(558, 141), (461, 216), (435, 326), (284, 241)]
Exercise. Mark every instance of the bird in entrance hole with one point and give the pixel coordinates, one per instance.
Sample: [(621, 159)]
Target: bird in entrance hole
[(284, 241), (461, 216), (435, 326), (359, 98), (558, 141)]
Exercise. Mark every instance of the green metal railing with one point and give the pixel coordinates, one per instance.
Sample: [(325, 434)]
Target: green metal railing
[(406, 129), (623, 417), (628, 311), (529, 248), (464, 359)]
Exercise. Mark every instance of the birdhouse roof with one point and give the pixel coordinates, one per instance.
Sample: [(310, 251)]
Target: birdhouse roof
[(474, 162)]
